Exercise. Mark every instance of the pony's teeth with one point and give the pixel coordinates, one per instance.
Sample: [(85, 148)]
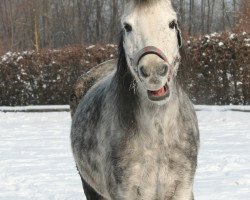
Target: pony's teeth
[(160, 92)]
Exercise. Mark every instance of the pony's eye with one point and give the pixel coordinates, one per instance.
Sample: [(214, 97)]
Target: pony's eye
[(172, 24), (127, 27)]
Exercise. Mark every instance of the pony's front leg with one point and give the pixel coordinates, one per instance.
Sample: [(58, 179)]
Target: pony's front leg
[(128, 193), (183, 193)]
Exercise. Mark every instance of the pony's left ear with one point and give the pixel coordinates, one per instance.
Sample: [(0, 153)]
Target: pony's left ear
[(179, 36)]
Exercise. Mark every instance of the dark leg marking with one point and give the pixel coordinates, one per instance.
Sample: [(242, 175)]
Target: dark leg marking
[(90, 193), (138, 191)]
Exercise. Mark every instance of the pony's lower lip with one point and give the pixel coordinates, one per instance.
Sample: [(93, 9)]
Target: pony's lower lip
[(160, 94)]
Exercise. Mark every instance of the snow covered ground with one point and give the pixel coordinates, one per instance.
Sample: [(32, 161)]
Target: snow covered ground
[(36, 161), (224, 159)]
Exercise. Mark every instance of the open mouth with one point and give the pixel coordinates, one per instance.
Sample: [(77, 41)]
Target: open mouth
[(160, 94)]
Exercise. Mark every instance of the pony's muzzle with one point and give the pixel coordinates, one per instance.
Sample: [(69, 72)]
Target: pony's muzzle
[(152, 71), (146, 71), (151, 62), (152, 66)]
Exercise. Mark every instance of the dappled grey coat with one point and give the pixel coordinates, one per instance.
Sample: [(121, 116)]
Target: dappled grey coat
[(129, 148)]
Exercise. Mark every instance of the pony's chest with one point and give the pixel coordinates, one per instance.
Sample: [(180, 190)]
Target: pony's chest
[(156, 164), (153, 176)]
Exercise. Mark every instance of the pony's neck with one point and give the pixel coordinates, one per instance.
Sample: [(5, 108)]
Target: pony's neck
[(127, 100)]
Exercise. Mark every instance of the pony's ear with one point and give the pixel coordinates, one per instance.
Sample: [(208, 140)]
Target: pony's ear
[(179, 36)]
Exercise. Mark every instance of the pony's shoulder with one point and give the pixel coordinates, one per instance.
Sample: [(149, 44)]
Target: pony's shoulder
[(89, 79)]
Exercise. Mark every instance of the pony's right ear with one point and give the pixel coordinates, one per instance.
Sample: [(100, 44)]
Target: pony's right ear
[(178, 32)]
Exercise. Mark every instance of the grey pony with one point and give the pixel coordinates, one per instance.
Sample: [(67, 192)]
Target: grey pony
[(115, 154), (127, 148)]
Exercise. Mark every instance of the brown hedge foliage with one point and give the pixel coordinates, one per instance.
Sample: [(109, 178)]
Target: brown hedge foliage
[(215, 69), (46, 77)]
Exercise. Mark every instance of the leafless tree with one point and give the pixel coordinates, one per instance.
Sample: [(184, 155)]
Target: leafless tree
[(35, 24)]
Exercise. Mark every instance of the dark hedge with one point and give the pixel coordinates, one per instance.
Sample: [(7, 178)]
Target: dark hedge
[(216, 69), (46, 77)]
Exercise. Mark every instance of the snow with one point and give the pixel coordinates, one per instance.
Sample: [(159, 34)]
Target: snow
[(221, 44), (14, 56), (4, 58), (111, 45), (36, 160), (207, 36), (215, 34), (19, 58), (90, 47), (232, 36), (224, 161), (30, 108)]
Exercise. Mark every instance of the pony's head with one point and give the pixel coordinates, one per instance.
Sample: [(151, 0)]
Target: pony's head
[(151, 41)]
